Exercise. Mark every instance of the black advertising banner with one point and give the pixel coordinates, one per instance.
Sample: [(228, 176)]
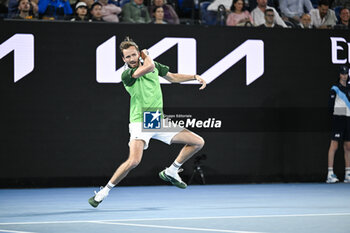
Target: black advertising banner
[(264, 117)]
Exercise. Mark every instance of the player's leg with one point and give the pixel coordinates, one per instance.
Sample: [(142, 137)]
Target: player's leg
[(347, 161), (135, 155), (193, 143)]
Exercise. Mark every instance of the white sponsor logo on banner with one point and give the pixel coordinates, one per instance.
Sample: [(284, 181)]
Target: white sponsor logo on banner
[(253, 50), (23, 47)]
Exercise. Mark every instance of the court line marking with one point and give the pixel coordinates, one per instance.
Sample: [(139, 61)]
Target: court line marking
[(10, 231), (185, 218), (173, 227)]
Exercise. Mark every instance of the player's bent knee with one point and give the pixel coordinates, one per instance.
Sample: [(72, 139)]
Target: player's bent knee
[(133, 162), (200, 142)]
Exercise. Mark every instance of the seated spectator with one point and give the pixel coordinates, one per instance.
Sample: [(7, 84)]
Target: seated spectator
[(344, 19), (13, 8), (158, 14), (54, 9), (170, 14), (110, 11), (305, 21), (136, 12), (80, 12), (259, 15), (24, 11), (216, 3), (88, 3), (3, 9), (270, 20), (96, 13), (341, 3), (323, 17), (292, 10), (272, 3), (238, 16)]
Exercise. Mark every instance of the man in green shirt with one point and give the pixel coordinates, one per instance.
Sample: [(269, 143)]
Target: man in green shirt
[(142, 83), (135, 12)]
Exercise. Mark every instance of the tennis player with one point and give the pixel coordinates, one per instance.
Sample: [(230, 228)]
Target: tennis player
[(141, 81)]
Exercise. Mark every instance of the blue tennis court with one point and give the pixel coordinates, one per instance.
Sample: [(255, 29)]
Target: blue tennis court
[(290, 208)]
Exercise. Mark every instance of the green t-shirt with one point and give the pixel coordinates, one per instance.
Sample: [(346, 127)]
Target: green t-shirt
[(145, 92)]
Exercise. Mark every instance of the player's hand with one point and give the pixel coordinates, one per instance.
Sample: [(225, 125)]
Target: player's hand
[(202, 81), (144, 54)]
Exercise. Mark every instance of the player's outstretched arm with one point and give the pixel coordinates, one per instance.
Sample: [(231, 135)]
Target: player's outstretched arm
[(178, 78), (148, 65)]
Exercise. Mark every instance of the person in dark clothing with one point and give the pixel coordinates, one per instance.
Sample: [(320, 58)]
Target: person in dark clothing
[(339, 106), (270, 20)]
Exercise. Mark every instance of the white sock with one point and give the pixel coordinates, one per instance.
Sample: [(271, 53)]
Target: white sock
[(109, 186), (174, 167), (347, 171), (330, 171)]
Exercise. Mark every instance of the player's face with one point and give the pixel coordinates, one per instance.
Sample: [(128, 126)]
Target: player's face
[(131, 56)]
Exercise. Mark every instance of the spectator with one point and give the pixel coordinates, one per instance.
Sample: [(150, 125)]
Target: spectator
[(88, 3), (96, 13), (292, 10), (110, 11), (216, 3), (323, 17), (13, 8), (170, 14), (305, 21), (344, 19), (270, 20), (158, 14), (3, 9), (341, 3), (252, 4), (24, 11), (259, 15), (54, 9), (136, 12), (80, 12), (239, 16)]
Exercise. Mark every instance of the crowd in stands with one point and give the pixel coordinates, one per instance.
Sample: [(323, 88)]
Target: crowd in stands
[(244, 13)]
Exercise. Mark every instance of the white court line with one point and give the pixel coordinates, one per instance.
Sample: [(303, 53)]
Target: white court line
[(185, 218), (15, 231), (176, 228)]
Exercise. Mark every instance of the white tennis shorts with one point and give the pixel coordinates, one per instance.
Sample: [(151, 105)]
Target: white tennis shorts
[(137, 131)]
